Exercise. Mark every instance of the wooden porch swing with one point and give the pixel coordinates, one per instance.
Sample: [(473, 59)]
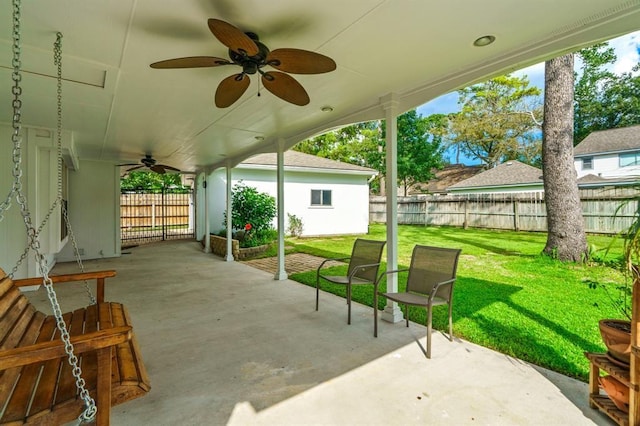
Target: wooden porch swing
[(104, 365)]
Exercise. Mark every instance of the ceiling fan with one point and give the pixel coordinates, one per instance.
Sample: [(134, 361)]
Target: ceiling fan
[(246, 51), (150, 163)]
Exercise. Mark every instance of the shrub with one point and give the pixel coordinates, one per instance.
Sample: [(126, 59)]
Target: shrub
[(295, 225), (252, 214)]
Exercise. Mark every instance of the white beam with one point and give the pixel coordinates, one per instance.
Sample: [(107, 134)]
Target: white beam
[(207, 225), (281, 273), (229, 257), (390, 102)]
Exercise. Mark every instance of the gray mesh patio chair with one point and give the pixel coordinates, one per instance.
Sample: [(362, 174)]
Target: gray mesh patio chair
[(430, 283), (364, 263)]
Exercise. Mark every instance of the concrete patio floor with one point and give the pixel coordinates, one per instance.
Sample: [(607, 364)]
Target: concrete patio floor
[(226, 344)]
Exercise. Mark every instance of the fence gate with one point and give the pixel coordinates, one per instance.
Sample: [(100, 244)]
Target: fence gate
[(156, 215)]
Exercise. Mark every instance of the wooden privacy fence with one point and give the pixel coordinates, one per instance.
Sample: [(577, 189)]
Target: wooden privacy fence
[(606, 210), (147, 216)]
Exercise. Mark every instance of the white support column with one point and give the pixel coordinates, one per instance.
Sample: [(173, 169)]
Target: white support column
[(281, 273), (207, 224), (229, 257), (392, 312)]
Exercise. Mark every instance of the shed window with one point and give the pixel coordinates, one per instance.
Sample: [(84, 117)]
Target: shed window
[(630, 159), (320, 197), (587, 163)]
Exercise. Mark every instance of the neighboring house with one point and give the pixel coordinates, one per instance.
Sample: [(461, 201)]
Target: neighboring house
[(512, 176), (444, 178), (329, 196), (610, 154)]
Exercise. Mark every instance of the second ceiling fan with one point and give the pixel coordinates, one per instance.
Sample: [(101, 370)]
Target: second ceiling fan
[(246, 51)]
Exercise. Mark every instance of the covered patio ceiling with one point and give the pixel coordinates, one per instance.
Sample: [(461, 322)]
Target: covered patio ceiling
[(119, 109)]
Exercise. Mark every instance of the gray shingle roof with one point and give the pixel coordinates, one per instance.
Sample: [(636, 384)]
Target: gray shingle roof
[(612, 140), (301, 160), (506, 174)]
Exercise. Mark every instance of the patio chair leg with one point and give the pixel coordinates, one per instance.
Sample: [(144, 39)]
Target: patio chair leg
[(406, 314), (348, 304), (375, 313), (450, 322), (317, 292), (429, 318)]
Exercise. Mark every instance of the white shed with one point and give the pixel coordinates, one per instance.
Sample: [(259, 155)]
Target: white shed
[(331, 197)]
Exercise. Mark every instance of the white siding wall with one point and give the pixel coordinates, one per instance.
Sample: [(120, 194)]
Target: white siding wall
[(348, 214), (39, 184), (603, 165), (13, 237), (94, 211)]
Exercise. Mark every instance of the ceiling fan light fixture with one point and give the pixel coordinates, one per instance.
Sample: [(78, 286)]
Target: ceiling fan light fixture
[(484, 41), (326, 108), (246, 51)]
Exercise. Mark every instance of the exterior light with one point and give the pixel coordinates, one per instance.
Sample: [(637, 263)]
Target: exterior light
[(326, 108), (484, 41)]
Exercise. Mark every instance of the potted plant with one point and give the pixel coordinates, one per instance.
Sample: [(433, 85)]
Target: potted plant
[(616, 333)]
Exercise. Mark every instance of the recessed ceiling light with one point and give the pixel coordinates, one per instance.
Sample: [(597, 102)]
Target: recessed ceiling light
[(327, 108), (484, 41), (259, 138)]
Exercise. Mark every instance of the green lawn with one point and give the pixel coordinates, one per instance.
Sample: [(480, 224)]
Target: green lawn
[(508, 296)]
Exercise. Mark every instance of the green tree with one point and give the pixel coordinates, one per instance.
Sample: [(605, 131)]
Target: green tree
[(149, 181), (495, 121), (604, 100), (352, 144), (420, 147)]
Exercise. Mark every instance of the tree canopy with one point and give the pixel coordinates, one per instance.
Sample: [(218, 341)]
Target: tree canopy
[(420, 147), (604, 100), (149, 181), (497, 121)]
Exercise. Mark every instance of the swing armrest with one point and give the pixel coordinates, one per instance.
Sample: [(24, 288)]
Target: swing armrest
[(39, 352), (99, 276)]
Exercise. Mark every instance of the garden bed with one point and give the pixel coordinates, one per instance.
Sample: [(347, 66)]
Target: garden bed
[(219, 248)]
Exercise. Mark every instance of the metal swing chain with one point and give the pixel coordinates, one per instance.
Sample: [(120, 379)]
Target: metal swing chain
[(90, 406), (57, 58), (17, 106)]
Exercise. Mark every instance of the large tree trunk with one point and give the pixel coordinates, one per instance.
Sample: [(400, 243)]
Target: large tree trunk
[(566, 239)]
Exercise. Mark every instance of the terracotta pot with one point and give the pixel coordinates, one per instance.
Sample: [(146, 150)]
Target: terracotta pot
[(616, 335), (618, 392)]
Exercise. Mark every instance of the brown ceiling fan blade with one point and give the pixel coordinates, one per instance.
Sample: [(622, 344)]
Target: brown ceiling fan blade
[(158, 169), (232, 37), (298, 61), (169, 168), (285, 87), (230, 89), (191, 62)]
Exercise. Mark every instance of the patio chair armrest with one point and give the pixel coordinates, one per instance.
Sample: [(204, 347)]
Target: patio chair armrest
[(384, 274), (330, 259), (360, 268), (436, 287)]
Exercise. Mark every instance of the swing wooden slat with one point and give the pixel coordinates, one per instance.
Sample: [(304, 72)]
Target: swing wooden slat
[(30, 373), (43, 399), (36, 385)]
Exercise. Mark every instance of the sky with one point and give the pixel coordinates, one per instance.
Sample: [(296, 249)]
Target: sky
[(627, 49)]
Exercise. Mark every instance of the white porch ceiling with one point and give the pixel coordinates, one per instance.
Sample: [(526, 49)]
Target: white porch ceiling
[(119, 109)]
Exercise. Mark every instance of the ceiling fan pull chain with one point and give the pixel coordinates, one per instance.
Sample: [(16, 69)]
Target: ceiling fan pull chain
[(258, 87)]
